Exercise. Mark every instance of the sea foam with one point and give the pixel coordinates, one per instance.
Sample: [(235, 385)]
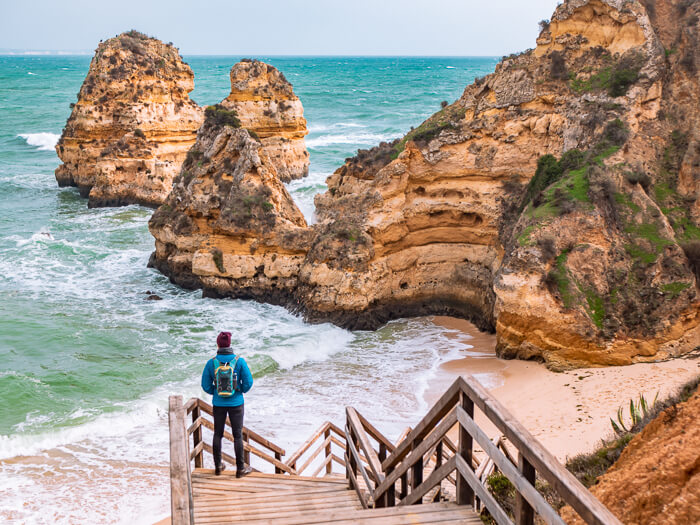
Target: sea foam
[(43, 141)]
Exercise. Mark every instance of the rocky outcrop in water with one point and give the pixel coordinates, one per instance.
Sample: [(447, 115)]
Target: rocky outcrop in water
[(132, 125), (267, 107), (229, 224), (556, 202)]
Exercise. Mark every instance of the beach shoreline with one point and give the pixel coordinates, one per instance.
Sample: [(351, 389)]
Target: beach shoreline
[(569, 412)]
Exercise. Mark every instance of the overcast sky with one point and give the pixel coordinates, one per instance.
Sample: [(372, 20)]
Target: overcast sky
[(281, 27)]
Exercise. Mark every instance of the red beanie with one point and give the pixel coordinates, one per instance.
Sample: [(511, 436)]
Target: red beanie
[(224, 340)]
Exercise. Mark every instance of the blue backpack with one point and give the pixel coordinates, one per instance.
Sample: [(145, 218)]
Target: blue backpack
[(225, 377)]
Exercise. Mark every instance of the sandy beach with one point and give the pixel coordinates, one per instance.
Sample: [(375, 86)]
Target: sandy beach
[(569, 412)]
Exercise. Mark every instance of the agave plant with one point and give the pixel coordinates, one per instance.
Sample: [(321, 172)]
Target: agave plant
[(638, 411)]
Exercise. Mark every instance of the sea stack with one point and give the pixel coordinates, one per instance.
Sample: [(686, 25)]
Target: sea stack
[(229, 225), (269, 109), (132, 125), (556, 202)]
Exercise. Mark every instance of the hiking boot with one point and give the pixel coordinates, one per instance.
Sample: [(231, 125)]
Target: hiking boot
[(243, 472), (219, 469)]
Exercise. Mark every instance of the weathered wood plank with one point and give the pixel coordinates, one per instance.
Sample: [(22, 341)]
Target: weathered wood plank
[(372, 431), (430, 513), (436, 477), (521, 484), (266, 475), (249, 448), (440, 409), (569, 488), (358, 430), (360, 465), (180, 494), (291, 461), (314, 455), (436, 435), (482, 492)]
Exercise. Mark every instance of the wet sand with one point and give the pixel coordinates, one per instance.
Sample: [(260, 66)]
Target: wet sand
[(569, 412)]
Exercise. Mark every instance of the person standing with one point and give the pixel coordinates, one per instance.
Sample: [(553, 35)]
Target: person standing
[(227, 377)]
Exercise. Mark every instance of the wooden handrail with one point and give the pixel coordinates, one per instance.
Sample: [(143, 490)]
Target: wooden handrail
[(564, 482), (307, 444), (181, 507), (370, 458), (439, 410), (249, 448), (252, 436), (330, 435), (358, 430), (456, 405)]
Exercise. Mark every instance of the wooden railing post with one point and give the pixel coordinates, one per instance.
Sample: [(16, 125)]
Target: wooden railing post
[(465, 494), (417, 470), (524, 513), (181, 507), (278, 457), (246, 439), (329, 451), (390, 494), (438, 463), (351, 465), (197, 438)]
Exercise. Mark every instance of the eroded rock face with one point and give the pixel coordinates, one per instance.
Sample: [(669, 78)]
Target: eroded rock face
[(132, 125), (229, 225), (573, 257), (267, 106), (656, 479)]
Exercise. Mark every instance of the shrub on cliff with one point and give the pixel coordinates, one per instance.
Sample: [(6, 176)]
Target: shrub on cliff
[(548, 172), (558, 70), (218, 116)]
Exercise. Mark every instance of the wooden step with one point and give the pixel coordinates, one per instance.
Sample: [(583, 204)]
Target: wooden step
[(410, 515)]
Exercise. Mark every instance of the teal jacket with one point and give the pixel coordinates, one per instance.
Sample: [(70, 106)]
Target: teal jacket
[(245, 379)]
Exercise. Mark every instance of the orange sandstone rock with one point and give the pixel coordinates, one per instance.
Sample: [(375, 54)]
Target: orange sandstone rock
[(267, 106), (132, 125), (657, 478)]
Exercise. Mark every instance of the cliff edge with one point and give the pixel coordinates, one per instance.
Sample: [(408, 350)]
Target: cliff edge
[(555, 202)]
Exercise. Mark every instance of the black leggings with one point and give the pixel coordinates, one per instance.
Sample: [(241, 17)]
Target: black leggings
[(235, 415)]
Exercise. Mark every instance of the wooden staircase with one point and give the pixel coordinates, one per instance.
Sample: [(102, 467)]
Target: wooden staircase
[(425, 477), (291, 500)]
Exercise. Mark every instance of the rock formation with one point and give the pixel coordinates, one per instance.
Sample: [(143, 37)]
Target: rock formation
[(267, 106), (229, 224), (556, 202), (656, 479), (132, 125)]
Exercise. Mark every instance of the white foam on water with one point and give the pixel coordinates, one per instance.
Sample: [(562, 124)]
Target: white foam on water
[(317, 128), (450, 67), (43, 141), (352, 138)]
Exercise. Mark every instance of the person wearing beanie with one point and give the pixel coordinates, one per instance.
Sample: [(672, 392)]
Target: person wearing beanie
[(228, 405)]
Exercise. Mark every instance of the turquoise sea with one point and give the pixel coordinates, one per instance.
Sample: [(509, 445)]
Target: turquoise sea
[(86, 363)]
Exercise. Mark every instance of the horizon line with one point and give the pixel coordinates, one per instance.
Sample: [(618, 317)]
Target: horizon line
[(271, 55)]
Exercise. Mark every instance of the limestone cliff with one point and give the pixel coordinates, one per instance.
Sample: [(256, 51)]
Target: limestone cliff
[(229, 225), (556, 202), (656, 480), (132, 125), (267, 106)]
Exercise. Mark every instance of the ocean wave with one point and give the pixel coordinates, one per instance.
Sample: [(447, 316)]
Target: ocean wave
[(315, 128), (355, 138), (44, 141)]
